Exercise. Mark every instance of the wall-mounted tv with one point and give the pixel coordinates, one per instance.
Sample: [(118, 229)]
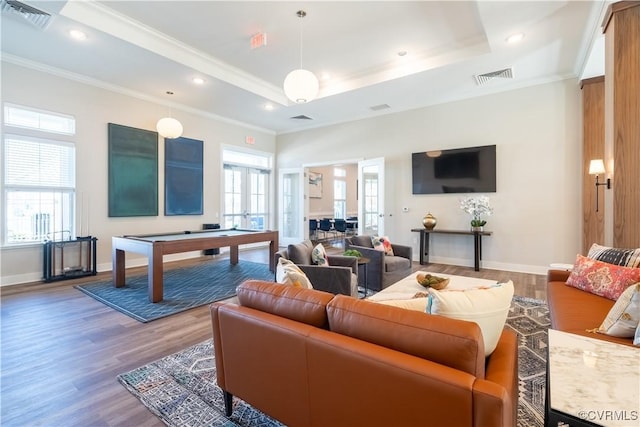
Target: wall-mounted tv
[(460, 170)]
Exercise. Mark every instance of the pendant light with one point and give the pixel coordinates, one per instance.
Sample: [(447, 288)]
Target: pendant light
[(169, 127), (301, 85)]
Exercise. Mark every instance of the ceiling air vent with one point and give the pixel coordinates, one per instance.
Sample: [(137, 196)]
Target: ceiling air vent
[(482, 79), (301, 117), (34, 16), (380, 107)]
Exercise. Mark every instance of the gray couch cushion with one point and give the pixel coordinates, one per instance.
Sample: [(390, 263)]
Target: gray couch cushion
[(362, 241), (395, 263), (300, 253)]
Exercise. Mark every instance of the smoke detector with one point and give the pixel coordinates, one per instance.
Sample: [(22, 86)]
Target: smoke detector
[(482, 79), (36, 17)]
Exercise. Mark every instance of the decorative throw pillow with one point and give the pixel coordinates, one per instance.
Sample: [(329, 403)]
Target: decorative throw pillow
[(622, 319), (382, 244), (288, 273), (487, 307), (601, 278), (617, 256), (319, 255)]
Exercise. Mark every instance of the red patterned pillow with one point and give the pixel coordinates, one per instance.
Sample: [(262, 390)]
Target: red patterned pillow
[(600, 278)]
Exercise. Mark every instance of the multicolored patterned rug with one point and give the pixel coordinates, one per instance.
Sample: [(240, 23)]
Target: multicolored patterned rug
[(181, 388), (184, 288)]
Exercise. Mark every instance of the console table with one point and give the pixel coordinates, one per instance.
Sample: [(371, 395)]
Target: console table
[(477, 243)]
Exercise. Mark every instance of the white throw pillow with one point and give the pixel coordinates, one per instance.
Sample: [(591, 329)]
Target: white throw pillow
[(486, 307), (288, 273), (319, 255), (622, 319), (417, 304)]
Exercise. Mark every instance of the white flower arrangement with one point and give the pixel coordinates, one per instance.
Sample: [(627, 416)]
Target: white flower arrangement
[(477, 207)]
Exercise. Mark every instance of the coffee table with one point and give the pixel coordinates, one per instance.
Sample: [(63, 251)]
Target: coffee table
[(591, 382), (409, 286)]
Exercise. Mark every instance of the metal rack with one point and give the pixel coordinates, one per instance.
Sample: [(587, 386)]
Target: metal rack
[(69, 259)]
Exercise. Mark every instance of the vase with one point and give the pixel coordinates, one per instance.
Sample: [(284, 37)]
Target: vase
[(429, 221), (479, 228)]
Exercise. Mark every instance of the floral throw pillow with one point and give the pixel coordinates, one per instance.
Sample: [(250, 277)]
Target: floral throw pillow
[(601, 278), (319, 255), (382, 244)]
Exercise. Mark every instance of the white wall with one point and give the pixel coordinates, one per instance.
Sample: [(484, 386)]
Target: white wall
[(537, 131), (93, 108)]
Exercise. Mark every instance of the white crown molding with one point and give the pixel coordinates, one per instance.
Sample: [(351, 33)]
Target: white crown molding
[(26, 63)]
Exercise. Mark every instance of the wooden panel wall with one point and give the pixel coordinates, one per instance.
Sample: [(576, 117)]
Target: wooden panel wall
[(593, 148), (622, 115)]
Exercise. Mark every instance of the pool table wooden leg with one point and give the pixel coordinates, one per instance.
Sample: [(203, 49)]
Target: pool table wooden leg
[(155, 271), (117, 268), (233, 256)]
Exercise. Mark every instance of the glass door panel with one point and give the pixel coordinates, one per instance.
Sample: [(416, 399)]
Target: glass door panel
[(291, 206), (371, 204)]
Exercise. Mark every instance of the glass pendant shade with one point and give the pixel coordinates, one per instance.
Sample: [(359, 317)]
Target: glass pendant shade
[(169, 127), (301, 86)]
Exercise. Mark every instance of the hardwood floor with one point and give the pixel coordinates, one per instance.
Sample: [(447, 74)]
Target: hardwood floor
[(62, 350)]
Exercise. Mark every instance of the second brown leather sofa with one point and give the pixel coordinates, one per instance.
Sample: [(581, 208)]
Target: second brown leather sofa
[(309, 358)]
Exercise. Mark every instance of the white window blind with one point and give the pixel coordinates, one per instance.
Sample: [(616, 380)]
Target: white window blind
[(31, 118), (30, 162)]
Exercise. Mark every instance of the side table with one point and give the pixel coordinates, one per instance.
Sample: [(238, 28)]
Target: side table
[(364, 261)]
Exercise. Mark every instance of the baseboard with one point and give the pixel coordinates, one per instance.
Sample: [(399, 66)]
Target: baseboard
[(492, 265)]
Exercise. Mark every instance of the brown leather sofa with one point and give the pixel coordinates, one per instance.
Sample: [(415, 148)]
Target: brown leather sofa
[(310, 358), (576, 311)]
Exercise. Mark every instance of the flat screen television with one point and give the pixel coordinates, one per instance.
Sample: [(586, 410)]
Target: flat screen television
[(460, 170)]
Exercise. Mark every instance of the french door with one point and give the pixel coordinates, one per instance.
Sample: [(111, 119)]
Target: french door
[(292, 206), (245, 198), (371, 203)]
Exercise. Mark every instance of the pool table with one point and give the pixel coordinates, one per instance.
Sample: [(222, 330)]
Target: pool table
[(154, 246)]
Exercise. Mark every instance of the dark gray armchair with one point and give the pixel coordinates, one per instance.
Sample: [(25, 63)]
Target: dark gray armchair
[(383, 270), (339, 277)]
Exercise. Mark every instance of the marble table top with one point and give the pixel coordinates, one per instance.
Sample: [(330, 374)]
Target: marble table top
[(594, 380)]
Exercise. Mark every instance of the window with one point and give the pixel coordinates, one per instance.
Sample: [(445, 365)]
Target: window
[(246, 190), (38, 181), (339, 193)]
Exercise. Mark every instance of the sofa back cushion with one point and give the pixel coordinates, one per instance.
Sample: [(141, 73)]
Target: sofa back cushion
[(300, 253), (362, 241), (450, 342), (299, 304)]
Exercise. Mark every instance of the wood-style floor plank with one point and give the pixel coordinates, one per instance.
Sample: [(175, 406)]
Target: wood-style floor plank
[(61, 350)]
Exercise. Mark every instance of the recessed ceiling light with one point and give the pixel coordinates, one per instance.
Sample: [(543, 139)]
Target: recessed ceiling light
[(268, 107), (515, 38), (326, 76), (198, 80), (78, 35)]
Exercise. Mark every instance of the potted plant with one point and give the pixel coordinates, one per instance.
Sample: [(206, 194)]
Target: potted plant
[(477, 207), (352, 252)]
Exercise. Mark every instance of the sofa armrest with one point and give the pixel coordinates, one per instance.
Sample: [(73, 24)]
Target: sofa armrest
[(496, 397), (558, 275), (336, 280), (344, 261), (403, 251)]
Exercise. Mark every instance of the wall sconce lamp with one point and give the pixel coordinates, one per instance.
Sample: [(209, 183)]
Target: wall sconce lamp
[(596, 167)]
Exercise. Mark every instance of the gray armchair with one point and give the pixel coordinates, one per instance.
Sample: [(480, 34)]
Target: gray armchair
[(339, 277), (383, 270)]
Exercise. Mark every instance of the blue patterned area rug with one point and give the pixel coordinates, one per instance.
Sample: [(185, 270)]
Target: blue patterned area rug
[(181, 388), (184, 288)]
